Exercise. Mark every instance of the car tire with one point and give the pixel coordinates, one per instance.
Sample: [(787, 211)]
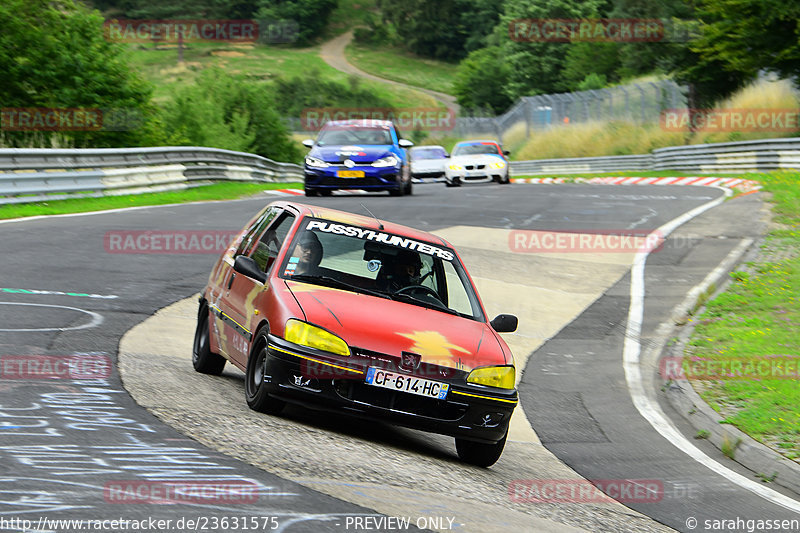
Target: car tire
[(311, 192), (409, 188), (399, 191), (254, 387), (203, 359), (506, 179), (325, 192), (478, 453)]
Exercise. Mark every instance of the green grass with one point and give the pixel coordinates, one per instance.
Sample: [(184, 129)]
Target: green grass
[(395, 64), (258, 62), (757, 317), (218, 191)]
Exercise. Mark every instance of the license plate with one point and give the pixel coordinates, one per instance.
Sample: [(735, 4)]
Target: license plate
[(350, 173), (405, 383)]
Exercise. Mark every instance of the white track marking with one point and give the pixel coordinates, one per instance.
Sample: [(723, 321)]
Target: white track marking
[(646, 405), (96, 320)]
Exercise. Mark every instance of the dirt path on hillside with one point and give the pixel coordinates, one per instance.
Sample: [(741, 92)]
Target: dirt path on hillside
[(332, 52)]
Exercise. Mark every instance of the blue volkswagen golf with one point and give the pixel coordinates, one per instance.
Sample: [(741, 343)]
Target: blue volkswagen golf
[(358, 154)]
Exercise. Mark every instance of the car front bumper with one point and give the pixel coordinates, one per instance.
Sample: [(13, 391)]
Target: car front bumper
[(380, 179), (469, 412)]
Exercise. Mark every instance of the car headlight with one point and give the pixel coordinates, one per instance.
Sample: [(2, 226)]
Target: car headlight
[(314, 162), (502, 377), (304, 334), (455, 167), (498, 164), (388, 161)]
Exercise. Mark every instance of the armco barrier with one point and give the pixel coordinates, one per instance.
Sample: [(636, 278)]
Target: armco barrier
[(745, 156), (29, 175)]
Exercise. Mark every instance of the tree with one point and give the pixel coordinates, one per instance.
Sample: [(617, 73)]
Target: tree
[(53, 54), (536, 67), (480, 79), (229, 112), (740, 38), (311, 16)]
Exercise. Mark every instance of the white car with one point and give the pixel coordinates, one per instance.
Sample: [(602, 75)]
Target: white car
[(477, 161), (428, 162)]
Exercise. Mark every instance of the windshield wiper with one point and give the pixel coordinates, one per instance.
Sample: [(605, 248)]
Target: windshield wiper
[(423, 303), (337, 283)]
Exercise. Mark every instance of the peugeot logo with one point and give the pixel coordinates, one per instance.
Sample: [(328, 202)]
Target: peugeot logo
[(349, 163), (409, 361)]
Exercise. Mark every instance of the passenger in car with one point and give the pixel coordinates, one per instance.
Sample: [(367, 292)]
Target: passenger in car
[(309, 251)]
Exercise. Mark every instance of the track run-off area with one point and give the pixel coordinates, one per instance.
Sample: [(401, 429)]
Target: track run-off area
[(131, 411)]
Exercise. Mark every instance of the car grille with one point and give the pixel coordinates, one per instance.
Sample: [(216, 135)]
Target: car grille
[(365, 181), (473, 167)]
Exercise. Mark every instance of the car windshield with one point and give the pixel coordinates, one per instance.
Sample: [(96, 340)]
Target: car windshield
[(358, 135), (471, 149), (418, 154), (380, 264)]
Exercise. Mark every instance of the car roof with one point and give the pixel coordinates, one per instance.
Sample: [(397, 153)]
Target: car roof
[(345, 217), (426, 146), (366, 122), (478, 141)]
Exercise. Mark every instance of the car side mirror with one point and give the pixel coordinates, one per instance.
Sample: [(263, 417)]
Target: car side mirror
[(506, 152), (405, 143), (308, 143), (504, 323), (247, 266)]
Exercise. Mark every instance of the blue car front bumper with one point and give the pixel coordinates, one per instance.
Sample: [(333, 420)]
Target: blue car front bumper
[(377, 179)]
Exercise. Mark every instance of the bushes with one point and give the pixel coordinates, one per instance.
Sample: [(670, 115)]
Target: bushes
[(229, 112)]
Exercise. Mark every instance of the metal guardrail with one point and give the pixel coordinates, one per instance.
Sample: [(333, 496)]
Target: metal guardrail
[(744, 156), (30, 175)]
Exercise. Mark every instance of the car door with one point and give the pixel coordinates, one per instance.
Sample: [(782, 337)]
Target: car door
[(240, 296)]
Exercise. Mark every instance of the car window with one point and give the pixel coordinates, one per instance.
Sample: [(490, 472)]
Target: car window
[(366, 135), (254, 230), (428, 153), (371, 261), (266, 251), (472, 149)]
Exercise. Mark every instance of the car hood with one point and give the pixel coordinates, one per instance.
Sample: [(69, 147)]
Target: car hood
[(358, 154), (390, 327), (422, 165)]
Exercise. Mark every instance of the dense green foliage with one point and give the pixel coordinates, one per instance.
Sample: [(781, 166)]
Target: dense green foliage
[(310, 16), (293, 95), (53, 55), (229, 112)]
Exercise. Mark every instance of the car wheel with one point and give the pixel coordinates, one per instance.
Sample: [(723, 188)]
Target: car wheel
[(506, 179), (254, 386), (399, 191), (311, 192), (478, 453), (203, 360), (326, 192), (409, 188)]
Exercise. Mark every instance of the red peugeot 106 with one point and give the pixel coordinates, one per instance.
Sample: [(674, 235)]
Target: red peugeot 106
[(345, 312)]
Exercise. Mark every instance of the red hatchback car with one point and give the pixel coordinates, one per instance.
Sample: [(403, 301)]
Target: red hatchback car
[(344, 312)]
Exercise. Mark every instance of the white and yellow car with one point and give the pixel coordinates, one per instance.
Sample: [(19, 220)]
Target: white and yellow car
[(477, 162)]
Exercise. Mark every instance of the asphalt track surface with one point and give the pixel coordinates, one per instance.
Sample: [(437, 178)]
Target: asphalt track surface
[(67, 443)]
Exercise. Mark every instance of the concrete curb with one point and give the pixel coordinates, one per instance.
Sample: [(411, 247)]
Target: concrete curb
[(751, 454)]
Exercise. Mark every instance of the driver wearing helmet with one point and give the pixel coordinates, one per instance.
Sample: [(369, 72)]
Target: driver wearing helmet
[(402, 271)]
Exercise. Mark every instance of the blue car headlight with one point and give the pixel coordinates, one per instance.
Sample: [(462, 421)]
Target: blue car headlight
[(314, 162), (388, 161)]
